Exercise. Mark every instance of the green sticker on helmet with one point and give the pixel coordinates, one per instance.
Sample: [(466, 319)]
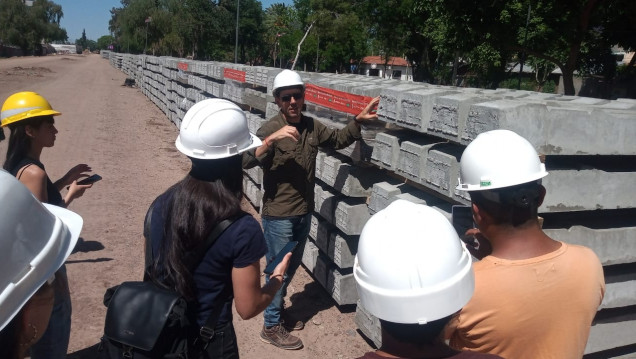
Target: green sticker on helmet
[(485, 183)]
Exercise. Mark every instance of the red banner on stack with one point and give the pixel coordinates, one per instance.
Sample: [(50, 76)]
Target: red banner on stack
[(182, 66), (337, 100), (235, 75)]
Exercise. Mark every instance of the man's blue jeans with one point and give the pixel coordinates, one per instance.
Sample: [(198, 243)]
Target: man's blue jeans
[(278, 232)]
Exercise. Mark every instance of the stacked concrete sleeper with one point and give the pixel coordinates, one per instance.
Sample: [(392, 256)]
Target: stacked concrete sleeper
[(413, 154)]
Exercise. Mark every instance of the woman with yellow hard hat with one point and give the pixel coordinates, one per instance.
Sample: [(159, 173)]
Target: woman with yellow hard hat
[(29, 116)]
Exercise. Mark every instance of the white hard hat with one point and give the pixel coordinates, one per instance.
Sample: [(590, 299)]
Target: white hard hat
[(411, 266), (497, 159), (287, 78), (214, 129), (36, 240)]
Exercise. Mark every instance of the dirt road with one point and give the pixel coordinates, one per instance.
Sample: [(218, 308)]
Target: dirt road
[(130, 143)]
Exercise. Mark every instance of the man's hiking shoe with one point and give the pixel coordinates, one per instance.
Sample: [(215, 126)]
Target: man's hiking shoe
[(290, 323), (280, 337)]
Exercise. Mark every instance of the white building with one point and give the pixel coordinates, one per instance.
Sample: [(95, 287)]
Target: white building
[(395, 68)]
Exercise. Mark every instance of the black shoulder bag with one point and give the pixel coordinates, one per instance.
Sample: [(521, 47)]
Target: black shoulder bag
[(147, 320)]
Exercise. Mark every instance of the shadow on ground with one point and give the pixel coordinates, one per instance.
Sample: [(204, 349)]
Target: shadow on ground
[(85, 246), (313, 293)]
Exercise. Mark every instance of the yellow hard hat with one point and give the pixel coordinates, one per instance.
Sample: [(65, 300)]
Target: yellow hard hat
[(23, 105)]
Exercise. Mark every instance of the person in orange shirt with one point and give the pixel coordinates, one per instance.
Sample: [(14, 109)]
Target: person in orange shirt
[(534, 297)]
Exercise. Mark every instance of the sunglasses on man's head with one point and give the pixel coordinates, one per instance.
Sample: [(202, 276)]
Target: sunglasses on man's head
[(297, 96)]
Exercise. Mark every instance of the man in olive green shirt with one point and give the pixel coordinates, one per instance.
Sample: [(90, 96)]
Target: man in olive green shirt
[(288, 157)]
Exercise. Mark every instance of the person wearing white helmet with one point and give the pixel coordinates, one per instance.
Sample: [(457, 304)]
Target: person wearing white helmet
[(534, 297), (213, 134), (30, 119), (36, 240), (415, 282), (288, 157)]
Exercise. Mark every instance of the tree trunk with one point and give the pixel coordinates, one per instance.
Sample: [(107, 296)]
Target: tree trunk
[(568, 81)]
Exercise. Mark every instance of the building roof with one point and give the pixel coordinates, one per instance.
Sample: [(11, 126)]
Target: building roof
[(379, 60)]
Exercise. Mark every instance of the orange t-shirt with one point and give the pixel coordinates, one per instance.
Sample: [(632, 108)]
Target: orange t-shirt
[(536, 308)]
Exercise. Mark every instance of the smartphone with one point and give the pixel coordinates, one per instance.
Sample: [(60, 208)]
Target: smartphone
[(462, 219), (289, 247), (92, 179)]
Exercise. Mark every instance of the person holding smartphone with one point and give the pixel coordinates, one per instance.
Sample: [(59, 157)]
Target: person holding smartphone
[(213, 135), (288, 157), (29, 116), (535, 297)]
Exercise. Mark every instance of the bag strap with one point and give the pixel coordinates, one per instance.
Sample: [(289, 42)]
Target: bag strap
[(195, 256)]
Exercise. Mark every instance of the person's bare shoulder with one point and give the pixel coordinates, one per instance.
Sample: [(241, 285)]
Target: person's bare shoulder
[(31, 173)]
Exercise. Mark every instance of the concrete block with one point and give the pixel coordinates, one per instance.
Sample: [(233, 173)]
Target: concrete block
[(615, 332), (351, 215), (346, 178), (369, 325), (416, 107), (390, 99), (339, 284), (619, 294), (271, 110), (325, 202), (347, 214), (254, 122), (613, 242), (568, 131), (252, 191), (450, 112), (382, 195), (310, 256), (255, 174), (441, 171), (386, 149), (412, 157), (524, 119), (255, 99), (339, 247), (588, 189)]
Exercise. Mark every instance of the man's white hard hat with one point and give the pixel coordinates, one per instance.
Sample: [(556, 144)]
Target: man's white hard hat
[(287, 78), (411, 266), (214, 129), (498, 159), (36, 240)]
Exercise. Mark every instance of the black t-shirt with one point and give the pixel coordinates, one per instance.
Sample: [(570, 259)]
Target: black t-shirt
[(240, 245)]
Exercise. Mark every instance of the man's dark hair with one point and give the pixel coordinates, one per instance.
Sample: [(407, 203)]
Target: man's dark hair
[(416, 334), (278, 90), (513, 205)]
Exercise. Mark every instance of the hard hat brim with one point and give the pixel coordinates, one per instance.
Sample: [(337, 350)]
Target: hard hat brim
[(43, 266), (216, 155), (29, 114)]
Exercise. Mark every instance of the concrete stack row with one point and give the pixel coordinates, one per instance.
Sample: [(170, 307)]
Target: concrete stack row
[(413, 153)]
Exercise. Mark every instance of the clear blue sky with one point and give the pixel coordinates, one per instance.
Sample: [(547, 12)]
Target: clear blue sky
[(93, 15)]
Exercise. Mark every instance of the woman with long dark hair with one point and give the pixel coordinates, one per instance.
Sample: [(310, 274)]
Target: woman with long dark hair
[(213, 134), (29, 116)]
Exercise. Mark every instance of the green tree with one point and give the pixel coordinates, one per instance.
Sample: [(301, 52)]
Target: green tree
[(82, 41), (28, 26), (104, 41), (563, 32)]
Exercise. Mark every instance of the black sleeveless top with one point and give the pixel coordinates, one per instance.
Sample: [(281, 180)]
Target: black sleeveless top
[(54, 196)]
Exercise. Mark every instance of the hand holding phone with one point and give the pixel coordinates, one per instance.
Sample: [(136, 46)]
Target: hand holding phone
[(462, 219), (90, 180), (289, 247)]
